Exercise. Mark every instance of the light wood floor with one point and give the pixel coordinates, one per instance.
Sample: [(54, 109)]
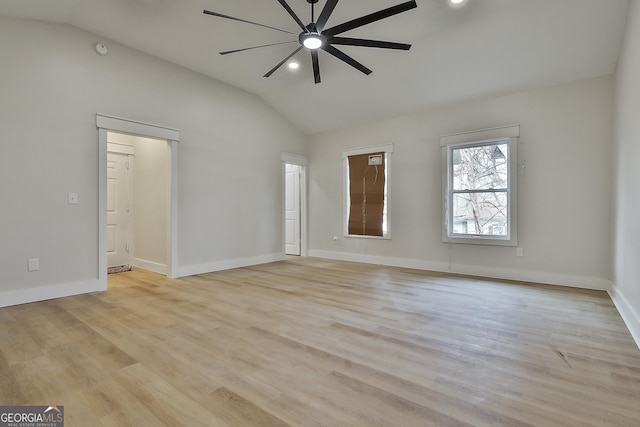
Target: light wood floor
[(311, 342)]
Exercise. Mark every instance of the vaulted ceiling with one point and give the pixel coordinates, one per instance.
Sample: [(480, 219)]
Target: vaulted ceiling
[(482, 48)]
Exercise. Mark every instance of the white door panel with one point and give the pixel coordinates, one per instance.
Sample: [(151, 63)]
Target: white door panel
[(118, 209), (292, 209)]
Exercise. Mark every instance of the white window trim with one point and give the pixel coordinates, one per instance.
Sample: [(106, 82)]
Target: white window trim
[(504, 134), (388, 150)]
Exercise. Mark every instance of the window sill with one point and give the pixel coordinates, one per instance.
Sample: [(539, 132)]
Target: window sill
[(358, 236), (479, 240)]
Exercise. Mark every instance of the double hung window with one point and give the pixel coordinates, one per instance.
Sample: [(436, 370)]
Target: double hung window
[(480, 186)]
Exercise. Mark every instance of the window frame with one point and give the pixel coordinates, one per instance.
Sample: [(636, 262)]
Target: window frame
[(494, 136), (388, 151)]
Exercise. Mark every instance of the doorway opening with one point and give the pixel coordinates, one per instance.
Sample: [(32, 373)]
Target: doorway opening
[(295, 204), (143, 205), (137, 200)]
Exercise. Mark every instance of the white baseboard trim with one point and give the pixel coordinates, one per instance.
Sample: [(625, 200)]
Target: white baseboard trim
[(47, 292), (630, 316), (150, 266), (473, 270), (192, 270), (380, 260)]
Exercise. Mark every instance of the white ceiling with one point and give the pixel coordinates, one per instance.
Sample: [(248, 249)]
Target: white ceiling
[(484, 47)]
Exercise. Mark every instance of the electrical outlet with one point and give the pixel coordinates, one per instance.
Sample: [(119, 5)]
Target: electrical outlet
[(73, 198), (33, 264), (335, 240), (519, 252)]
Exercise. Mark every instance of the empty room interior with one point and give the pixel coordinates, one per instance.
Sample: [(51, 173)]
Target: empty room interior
[(320, 212)]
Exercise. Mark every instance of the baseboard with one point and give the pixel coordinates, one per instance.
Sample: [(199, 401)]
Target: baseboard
[(630, 316), (150, 266), (191, 270), (379, 260), (42, 293), (473, 270)]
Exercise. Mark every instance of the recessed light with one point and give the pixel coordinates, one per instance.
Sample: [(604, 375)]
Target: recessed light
[(293, 65), (456, 2)]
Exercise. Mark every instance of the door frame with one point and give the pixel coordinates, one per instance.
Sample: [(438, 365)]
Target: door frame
[(106, 123), (303, 162)]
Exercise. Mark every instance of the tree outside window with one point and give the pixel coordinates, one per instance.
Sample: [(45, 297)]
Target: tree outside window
[(480, 183)]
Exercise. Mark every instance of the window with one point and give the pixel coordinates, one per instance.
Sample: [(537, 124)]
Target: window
[(480, 186), (366, 178)]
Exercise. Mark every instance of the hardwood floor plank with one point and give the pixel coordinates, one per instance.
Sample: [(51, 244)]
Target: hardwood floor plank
[(39, 380), (136, 414), (417, 414), (10, 390), (164, 400), (237, 411), (17, 343), (315, 342)]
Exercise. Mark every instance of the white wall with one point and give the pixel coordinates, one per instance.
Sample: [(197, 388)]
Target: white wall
[(151, 186), (52, 84), (564, 195), (626, 293)]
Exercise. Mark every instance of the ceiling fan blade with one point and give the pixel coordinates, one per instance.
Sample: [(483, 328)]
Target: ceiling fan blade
[(316, 66), (220, 15), (293, 15), (368, 19), (346, 58), (347, 41), (324, 15), (226, 52), (271, 71)]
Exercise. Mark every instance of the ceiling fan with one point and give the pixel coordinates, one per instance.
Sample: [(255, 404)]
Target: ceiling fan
[(315, 36)]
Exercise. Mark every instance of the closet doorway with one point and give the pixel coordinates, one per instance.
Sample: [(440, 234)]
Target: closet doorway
[(148, 154), (137, 201)]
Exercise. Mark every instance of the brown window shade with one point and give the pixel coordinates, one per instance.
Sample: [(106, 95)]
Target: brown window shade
[(366, 194)]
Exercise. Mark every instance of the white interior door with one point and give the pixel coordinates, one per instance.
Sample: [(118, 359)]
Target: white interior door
[(119, 229), (292, 210)]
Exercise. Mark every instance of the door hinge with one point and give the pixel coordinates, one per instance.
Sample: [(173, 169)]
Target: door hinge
[(126, 247), (127, 165)]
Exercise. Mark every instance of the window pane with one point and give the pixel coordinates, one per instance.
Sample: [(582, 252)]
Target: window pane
[(480, 213), (481, 167)]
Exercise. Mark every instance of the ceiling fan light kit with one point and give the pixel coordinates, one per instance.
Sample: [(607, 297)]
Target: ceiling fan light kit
[(312, 40), (315, 36)]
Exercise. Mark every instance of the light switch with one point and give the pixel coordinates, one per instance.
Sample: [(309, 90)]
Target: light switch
[(73, 198)]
